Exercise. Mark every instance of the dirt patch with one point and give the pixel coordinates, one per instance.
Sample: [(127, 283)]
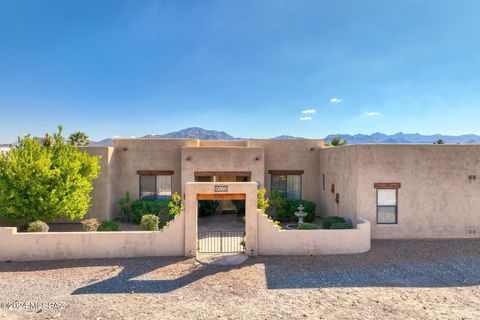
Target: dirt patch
[(395, 280)]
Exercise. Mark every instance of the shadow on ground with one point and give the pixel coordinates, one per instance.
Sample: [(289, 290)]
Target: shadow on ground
[(423, 263)]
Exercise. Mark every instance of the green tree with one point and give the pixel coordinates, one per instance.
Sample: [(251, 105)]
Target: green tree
[(439, 141), (45, 181), (336, 141), (78, 139)]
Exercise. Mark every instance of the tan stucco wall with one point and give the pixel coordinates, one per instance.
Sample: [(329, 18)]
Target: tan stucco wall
[(293, 155), (436, 199), (86, 245), (339, 167), (103, 186), (273, 241), (222, 159), (146, 154)]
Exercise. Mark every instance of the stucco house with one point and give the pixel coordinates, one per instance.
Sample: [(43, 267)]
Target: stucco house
[(405, 191)]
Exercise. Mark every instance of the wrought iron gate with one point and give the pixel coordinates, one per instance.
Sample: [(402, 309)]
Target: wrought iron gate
[(221, 241)]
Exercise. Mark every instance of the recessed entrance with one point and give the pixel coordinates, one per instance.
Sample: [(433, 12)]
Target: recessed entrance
[(220, 217), (221, 223)]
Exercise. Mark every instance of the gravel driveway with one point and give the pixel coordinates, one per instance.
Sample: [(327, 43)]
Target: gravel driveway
[(395, 280)]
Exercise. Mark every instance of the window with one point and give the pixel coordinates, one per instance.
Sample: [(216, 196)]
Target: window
[(387, 210), (157, 186), (288, 185)]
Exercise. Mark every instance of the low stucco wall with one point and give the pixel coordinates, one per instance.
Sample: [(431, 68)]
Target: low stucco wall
[(274, 241), (84, 245)]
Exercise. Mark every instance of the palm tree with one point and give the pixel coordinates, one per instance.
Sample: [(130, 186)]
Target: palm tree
[(336, 141), (439, 141), (78, 139)]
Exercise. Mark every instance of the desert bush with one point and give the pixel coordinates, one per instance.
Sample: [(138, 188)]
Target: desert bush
[(341, 225), (144, 206), (91, 224), (125, 209), (108, 225), (45, 179), (307, 226), (207, 207), (328, 221), (277, 208), (262, 203), (175, 206), (150, 222), (38, 226)]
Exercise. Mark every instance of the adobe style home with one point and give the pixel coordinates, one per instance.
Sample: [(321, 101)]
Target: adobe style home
[(405, 191)]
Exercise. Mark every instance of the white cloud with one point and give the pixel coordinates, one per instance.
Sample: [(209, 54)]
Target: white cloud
[(309, 111), (372, 113), (336, 100), (305, 118)]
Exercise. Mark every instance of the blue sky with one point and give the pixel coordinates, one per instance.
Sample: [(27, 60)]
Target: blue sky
[(130, 68)]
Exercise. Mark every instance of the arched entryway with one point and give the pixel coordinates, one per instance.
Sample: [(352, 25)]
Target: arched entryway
[(197, 191)]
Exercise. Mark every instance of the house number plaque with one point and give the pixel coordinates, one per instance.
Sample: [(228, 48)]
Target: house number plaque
[(221, 188)]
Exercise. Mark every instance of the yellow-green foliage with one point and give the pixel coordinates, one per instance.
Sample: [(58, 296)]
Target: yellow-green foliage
[(38, 226), (46, 180), (175, 205), (150, 222), (262, 203), (91, 224)]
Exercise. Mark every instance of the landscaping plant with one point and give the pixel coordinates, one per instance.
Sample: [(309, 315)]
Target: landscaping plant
[(150, 222), (125, 209), (334, 222), (108, 225), (175, 206), (38, 226), (91, 224), (46, 179), (262, 202), (307, 226), (341, 225)]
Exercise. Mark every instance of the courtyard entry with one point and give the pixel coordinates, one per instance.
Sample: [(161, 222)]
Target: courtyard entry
[(220, 217), (221, 223)]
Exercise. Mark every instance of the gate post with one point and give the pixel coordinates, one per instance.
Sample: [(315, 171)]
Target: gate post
[(191, 216), (251, 220)]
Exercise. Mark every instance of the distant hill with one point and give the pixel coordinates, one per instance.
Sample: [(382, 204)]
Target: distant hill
[(195, 133), (406, 138), (378, 137), (284, 137)]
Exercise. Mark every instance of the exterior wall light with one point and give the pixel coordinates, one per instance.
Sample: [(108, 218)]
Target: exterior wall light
[(333, 188), (312, 149), (188, 158), (125, 149), (257, 158)]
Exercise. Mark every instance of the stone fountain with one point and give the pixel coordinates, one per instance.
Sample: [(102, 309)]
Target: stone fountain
[(300, 214)]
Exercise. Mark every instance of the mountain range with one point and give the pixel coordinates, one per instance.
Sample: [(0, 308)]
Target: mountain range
[(397, 138)]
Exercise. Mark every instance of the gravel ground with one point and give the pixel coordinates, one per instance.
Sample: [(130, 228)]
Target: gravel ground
[(395, 280)]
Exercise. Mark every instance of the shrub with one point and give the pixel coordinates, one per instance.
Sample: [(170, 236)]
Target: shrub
[(46, 179), (91, 224), (341, 225), (329, 221), (277, 224), (262, 203), (175, 206), (239, 205), (207, 207), (307, 226), (142, 207), (108, 225), (277, 208), (125, 209), (150, 222), (38, 226), (309, 208)]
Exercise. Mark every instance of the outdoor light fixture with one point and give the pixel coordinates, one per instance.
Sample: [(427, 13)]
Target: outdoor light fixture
[(188, 158), (251, 252), (257, 158), (337, 198), (333, 188), (312, 149)]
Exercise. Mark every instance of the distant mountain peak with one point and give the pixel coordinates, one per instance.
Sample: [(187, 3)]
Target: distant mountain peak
[(196, 133)]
